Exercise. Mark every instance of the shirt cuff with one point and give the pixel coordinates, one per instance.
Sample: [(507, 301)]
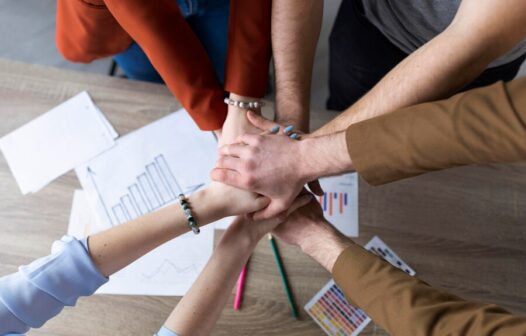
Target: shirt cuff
[(40, 290), (165, 332)]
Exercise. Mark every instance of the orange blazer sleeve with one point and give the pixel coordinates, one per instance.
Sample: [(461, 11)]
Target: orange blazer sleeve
[(177, 54), (86, 31), (249, 49)]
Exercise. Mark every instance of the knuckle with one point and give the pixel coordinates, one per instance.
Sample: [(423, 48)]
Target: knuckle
[(250, 164), (249, 182), (251, 151), (221, 161), (258, 140)]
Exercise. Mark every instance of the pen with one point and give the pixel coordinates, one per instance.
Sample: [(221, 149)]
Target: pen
[(240, 287), (284, 280)]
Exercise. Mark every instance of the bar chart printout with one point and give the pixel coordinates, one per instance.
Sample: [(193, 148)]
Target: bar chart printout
[(146, 170), (154, 188), (340, 202), (331, 311)]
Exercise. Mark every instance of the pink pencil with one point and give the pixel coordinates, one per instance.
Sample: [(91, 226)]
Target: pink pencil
[(240, 287)]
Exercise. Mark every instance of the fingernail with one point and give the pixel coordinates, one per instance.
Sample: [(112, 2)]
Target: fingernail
[(294, 136), (288, 129), (274, 129)]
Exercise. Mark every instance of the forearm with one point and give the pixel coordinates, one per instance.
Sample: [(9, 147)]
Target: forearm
[(323, 156), (114, 249), (405, 305), (324, 244), (248, 54), (481, 126), (449, 65), (177, 54), (199, 309), (401, 304), (296, 27)]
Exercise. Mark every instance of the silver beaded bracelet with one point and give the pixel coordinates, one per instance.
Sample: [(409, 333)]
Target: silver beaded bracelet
[(246, 105), (192, 222)]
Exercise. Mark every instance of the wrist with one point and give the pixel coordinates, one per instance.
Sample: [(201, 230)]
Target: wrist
[(240, 114), (300, 124), (325, 244), (205, 208), (327, 155), (297, 115), (241, 235)]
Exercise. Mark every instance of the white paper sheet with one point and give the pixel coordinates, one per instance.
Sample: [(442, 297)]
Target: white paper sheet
[(168, 270), (82, 220), (143, 172), (148, 168), (56, 142), (340, 202)]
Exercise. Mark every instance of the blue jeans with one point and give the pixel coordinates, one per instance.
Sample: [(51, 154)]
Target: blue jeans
[(209, 21)]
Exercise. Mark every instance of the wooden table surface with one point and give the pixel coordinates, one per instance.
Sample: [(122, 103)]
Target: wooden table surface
[(463, 229)]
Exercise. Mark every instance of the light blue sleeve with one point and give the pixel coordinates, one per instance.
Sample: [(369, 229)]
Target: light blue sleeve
[(40, 290), (165, 332)]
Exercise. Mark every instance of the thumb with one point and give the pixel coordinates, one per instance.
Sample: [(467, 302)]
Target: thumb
[(299, 202), (260, 122)]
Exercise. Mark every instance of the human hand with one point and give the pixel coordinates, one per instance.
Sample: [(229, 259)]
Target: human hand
[(302, 224), (229, 201), (263, 124), (267, 164), (264, 164), (255, 230), (309, 230)]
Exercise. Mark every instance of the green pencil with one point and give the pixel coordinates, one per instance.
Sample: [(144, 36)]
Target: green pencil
[(284, 280)]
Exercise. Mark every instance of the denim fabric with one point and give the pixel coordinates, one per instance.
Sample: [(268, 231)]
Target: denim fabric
[(209, 21)]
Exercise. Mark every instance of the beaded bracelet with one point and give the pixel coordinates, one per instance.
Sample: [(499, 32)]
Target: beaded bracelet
[(192, 222), (246, 105)]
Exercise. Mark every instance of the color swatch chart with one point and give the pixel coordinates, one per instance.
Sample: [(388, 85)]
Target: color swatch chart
[(340, 202), (334, 314), (331, 311)]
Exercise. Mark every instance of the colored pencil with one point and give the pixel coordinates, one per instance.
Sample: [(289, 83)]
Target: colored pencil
[(240, 287), (284, 280)]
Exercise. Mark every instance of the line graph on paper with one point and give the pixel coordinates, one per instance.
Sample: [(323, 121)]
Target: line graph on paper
[(166, 269), (153, 188)]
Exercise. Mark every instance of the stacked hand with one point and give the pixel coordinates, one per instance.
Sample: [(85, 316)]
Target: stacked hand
[(310, 231), (267, 164), (235, 124), (236, 200)]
